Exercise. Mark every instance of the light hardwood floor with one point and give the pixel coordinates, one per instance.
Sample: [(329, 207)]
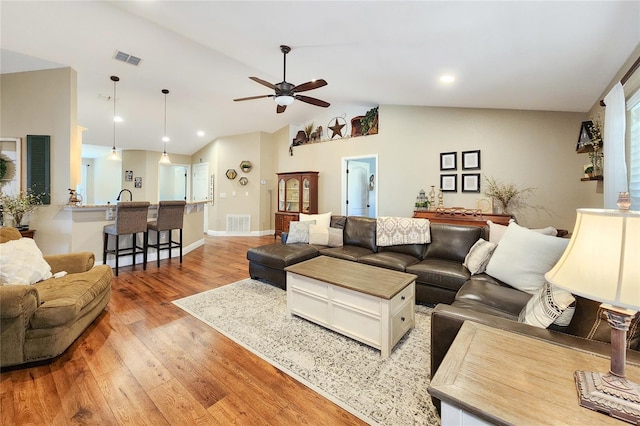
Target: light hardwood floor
[(145, 361)]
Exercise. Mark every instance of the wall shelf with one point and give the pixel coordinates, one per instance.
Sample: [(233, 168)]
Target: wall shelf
[(592, 178)]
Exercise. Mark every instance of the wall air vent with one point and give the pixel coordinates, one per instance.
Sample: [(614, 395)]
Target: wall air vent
[(125, 57)]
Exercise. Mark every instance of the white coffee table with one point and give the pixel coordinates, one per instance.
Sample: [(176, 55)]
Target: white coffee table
[(372, 305)]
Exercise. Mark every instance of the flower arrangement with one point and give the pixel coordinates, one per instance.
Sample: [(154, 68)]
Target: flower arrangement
[(508, 196), (20, 204), (595, 154)]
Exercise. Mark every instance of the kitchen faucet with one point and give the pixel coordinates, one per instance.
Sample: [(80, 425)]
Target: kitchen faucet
[(120, 193)]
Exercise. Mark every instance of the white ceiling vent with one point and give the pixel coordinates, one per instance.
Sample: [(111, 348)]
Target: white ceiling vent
[(125, 57)]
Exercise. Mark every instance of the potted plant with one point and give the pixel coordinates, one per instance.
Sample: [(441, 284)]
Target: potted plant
[(19, 205), (508, 197), (370, 122)]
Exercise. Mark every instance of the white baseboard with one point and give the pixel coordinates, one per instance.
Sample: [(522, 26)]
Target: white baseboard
[(152, 255)]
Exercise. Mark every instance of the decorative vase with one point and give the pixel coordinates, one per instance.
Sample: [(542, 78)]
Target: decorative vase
[(432, 198), (17, 219), (624, 201), (596, 163)]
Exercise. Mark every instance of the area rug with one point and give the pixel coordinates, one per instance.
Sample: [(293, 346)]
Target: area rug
[(390, 391)]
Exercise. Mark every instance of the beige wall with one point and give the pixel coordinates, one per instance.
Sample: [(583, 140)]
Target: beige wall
[(528, 148), (230, 196), (45, 103)]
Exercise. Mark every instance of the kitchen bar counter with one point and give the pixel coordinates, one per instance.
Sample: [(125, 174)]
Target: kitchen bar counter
[(88, 222)]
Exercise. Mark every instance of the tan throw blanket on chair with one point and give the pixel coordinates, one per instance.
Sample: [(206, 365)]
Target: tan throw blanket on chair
[(392, 231)]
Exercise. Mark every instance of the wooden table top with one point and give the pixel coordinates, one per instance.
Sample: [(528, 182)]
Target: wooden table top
[(507, 378), (378, 282)]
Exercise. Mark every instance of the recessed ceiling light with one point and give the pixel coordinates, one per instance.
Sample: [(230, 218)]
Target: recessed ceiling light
[(447, 78), (200, 133), (117, 119)]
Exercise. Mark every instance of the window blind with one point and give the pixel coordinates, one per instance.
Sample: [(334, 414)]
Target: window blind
[(633, 106)]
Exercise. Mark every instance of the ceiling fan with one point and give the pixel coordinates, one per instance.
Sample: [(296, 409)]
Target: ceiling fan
[(285, 92)]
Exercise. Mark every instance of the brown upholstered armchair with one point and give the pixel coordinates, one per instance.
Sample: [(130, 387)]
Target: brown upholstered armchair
[(42, 320)]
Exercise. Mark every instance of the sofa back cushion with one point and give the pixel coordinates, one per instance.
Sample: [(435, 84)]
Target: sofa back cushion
[(338, 222), (415, 250), (452, 242), (361, 232)]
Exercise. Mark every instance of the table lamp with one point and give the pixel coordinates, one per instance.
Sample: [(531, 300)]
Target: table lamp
[(602, 263)]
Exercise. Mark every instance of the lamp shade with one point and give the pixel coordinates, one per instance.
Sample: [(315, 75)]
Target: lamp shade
[(284, 100), (602, 260)]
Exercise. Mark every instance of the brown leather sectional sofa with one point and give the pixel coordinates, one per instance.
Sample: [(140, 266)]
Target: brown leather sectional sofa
[(438, 264), (445, 282)]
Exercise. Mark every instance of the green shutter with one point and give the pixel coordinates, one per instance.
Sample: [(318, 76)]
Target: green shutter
[(39, 165)]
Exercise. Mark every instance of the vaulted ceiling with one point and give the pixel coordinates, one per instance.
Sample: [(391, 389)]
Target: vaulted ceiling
[(555, 56)]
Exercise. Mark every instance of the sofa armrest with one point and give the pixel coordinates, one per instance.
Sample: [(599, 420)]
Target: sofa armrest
[(16, 300), (71, 262)]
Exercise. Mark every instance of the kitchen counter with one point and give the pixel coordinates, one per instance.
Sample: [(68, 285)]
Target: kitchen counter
[(89, 220)]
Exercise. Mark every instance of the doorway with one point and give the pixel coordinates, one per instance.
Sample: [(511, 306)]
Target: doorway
[(360, 186), (173, 182)]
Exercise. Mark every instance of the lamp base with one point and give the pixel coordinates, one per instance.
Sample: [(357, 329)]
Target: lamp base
[(609, 394)]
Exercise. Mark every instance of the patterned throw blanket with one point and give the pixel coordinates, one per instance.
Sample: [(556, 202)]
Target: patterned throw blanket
[(392, 231)]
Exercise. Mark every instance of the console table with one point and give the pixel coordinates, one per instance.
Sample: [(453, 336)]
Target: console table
[(492, 376), (461, 216)]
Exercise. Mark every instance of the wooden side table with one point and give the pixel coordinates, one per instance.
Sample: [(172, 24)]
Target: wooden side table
[(28, 233), (492, 376)]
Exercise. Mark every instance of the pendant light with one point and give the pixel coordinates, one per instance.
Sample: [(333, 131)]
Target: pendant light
[(164, 159), (115, 155)]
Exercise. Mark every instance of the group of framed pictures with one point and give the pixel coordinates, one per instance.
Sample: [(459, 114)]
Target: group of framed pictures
[(449, 163)]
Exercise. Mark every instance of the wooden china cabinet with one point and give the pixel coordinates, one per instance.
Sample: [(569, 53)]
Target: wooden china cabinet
[(297, 193)]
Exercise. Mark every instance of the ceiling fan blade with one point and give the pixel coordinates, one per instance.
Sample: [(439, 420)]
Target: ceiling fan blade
[(309, 85), (312, 101), (280, 109), (253, 97), (263, 82)]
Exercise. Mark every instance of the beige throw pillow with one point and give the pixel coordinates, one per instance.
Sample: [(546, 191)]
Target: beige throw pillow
[(549, 305), (479, 255)]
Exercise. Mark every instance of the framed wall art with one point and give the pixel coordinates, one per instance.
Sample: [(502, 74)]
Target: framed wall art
[(471, 160), (137, 182), (449, 183), (128, 175), (471, 182), (448, 161)]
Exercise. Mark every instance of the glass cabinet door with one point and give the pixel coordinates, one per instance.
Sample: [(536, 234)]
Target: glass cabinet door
[(305, 195), (281, 199), (293, 195)]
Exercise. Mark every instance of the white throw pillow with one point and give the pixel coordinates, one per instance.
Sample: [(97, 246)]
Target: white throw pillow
[(21, 262), (322, 219), (479, 255), (496, 231), (299, 232), (547, 306), (335, 237), (320, 235), (524, 256)]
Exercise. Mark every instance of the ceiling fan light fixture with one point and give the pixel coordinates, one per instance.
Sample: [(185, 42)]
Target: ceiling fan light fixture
[(284, 100)]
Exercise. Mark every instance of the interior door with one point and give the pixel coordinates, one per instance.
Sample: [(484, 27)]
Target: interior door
[(200, 182), (358, 173)]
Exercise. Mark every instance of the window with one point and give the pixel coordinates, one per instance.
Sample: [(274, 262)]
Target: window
[(633, 105)]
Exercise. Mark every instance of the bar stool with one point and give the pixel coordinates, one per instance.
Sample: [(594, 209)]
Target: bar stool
[(170, 217), (131, 218)]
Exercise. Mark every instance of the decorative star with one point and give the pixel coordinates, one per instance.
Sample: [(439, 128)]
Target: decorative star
[(336, 129)]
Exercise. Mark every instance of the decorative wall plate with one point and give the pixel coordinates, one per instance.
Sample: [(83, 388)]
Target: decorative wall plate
[(243, 180), (231, 174)]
